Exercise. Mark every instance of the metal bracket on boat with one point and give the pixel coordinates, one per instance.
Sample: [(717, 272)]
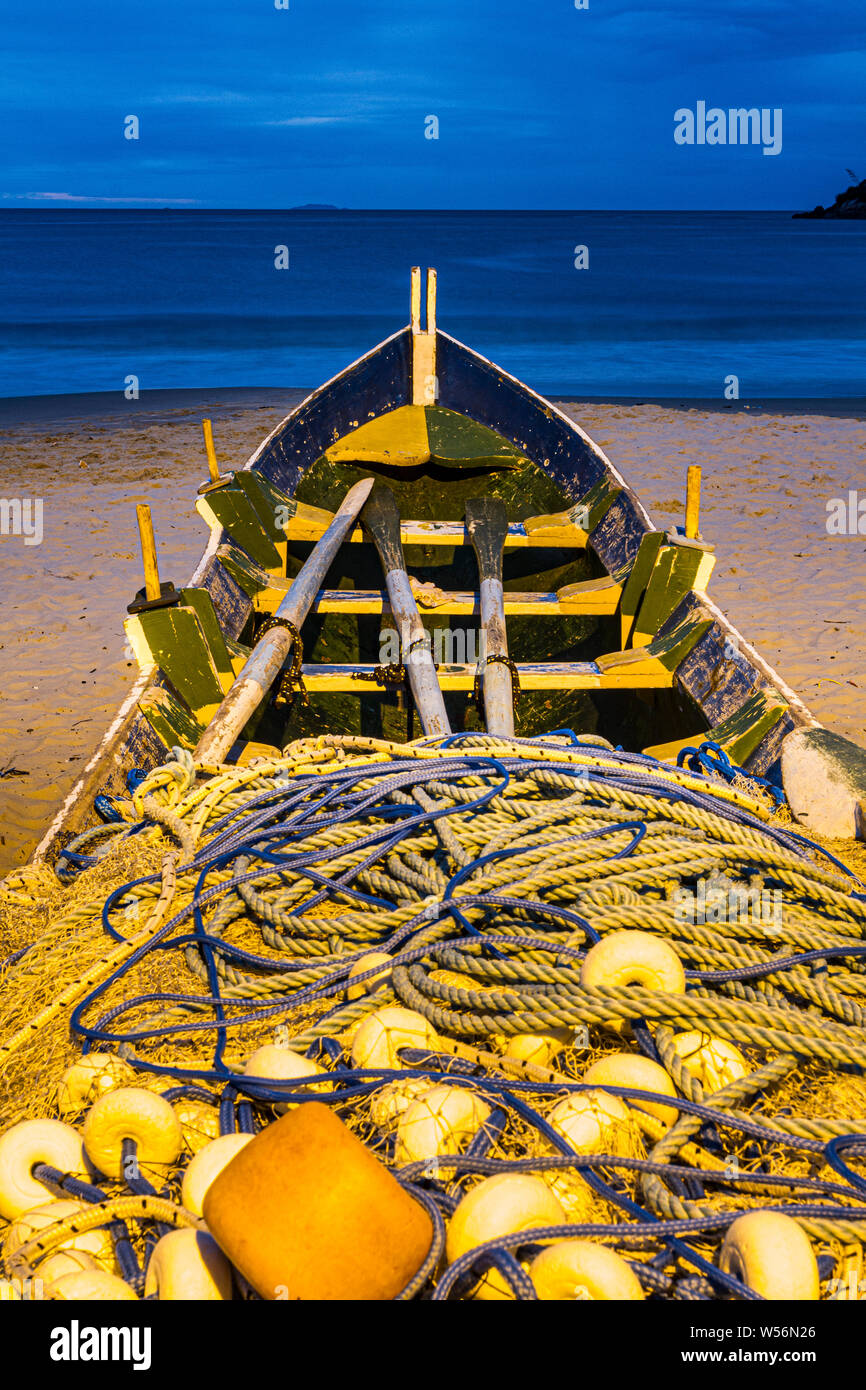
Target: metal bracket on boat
[(477, 689), (292, 681), (394, 674), (168, 597)]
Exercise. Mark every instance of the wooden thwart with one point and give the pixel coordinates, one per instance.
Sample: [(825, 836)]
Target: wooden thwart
[(303, 527), (598, 597), (546, 675)]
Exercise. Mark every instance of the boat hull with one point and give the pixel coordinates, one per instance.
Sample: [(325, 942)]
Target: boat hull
[(718, 675)]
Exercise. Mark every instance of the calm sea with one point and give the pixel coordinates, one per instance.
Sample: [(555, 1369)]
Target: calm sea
[(671, 304)]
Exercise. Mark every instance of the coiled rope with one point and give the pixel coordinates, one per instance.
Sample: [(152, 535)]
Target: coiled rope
[(502, 862)]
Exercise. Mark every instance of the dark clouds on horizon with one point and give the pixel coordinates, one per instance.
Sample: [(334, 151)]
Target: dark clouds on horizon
[(539, 105)]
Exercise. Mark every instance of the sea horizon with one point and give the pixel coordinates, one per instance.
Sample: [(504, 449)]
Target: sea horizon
[(583, 304)]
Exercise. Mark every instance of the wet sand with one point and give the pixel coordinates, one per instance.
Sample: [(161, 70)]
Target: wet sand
[(769, 471)]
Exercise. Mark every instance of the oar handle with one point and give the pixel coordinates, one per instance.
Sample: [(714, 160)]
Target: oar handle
[(260, 670), (381, 517)]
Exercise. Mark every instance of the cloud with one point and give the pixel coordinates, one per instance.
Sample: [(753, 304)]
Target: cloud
[(88, 198)]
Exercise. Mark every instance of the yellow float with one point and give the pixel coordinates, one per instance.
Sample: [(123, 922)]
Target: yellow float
[(133, 1113), (625, 958), (92, 1286), (440, 1121), (500, 1206), (388, 1104), (274, 1063), (207, 1164), (633, 1070), (306, 1211), (62, 1262), (88, 1079), (538, 1048), (594, 1122), (580, 1269), (188, 1266), (381, 1036), (772, 1254), (97, 1244), (199, 1123), (23, 1147), (369, 962), (714, 1061)]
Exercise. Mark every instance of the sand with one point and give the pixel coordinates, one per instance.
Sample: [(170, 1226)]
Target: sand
[(791, 588)]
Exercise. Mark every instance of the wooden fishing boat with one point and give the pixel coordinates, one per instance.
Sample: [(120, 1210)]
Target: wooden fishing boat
[(610, 631), (419, 502)]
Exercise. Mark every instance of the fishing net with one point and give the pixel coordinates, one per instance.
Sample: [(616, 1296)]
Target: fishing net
[(236, 908)]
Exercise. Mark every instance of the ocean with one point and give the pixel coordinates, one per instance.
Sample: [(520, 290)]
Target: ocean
[(666, 305)]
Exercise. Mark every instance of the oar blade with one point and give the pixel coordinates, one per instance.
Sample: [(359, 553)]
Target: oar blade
[(487, 528), (381, 517)]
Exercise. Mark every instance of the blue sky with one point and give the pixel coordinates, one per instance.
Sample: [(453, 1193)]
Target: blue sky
[(540, 105)]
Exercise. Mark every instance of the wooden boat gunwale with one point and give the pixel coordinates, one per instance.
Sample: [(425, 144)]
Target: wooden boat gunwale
[(718, 674)]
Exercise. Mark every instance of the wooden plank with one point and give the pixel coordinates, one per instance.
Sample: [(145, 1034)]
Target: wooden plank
[(665, 653), (415, 299), (675, 572), (414, 435), (169, 719), (245, 572), (202, 605), (693, 501), (583, 517), (599, 599), (452, 533), (230, 509), (638, 579), (263, 499), (548, 675), (719, 674), (248, 751), (148, 553), (739, 735), (172, 639), (431, 301)]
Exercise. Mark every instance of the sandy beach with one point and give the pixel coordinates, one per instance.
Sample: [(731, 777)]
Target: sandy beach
[(769, 471)]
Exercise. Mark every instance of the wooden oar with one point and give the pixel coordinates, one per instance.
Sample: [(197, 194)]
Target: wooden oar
[(381, 516), (269, 654), (487, 525)]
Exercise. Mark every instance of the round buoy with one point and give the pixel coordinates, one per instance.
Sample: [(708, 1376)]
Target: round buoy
[(500, 1206), (438, 1122), (772, 1254), (580, 1269), (639, 1073), (23, 1147), (714, 1061), (626, 958)]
